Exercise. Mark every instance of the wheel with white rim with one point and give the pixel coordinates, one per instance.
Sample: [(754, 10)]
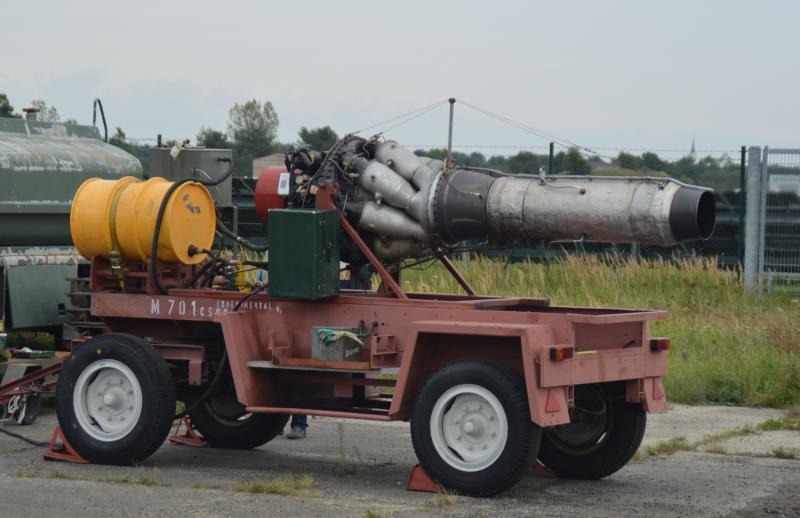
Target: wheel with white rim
[(471, 428), (115, 399)]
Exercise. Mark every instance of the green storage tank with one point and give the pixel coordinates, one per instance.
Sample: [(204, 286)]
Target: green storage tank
[(41, 166), (303, 253)]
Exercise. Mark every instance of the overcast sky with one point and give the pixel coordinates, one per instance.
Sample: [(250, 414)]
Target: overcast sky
[(604, 74)]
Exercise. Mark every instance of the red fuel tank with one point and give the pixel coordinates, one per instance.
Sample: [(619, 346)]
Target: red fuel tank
[(272, 190)]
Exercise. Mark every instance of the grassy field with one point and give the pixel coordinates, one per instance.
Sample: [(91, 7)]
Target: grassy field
[(727, 347)]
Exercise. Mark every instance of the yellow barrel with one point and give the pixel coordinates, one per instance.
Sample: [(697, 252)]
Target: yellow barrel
[(132, 206)]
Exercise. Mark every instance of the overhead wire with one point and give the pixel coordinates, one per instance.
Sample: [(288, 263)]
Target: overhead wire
[(530, 129), (413, 114)]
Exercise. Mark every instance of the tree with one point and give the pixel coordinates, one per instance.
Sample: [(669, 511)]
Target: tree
[(45, 114), (6, 110), (498, 162), (476, 160), (118, 138), (574, 162), (318, 139), (629, 161), (524, 162), (252, 126), (213, 139), (653, 162)]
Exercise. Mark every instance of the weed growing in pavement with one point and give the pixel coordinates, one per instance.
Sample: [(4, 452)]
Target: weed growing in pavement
[(785, 423), (785, 453), (711, 443), (444, 499), (286, 485), (343, 467), (667, 447), (206, 485)]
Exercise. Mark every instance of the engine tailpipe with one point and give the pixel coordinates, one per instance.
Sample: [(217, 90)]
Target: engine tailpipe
[(652, 211)]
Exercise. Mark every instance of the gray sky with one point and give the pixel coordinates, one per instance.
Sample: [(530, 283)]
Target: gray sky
[(632, 74)]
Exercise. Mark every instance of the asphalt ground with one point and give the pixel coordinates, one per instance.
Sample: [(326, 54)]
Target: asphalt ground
[(358, 467)]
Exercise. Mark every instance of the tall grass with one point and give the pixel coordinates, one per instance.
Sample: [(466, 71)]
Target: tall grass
[(727, 347)]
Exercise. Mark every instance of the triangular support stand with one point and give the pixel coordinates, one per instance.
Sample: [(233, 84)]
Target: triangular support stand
[(541, 471), (61, 450), (189, 437), (420, 481)]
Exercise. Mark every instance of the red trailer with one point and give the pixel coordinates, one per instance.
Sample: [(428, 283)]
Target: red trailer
[(490, 385)]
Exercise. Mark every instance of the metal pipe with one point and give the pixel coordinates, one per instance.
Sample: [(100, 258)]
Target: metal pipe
[(653, 211), (452, 102)]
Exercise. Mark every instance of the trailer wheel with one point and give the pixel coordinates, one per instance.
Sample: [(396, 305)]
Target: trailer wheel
[(115, 399), (224, 423), (603, 436), (472, 429), (25, 409)]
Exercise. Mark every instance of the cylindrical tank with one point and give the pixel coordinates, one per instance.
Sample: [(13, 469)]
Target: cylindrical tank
[(41, 166), (272, 190), (129, 208)]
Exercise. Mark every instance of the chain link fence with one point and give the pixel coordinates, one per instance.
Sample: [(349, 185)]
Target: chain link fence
[(772, 262)]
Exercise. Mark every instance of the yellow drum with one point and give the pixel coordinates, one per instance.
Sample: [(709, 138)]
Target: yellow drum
[(125, 210)]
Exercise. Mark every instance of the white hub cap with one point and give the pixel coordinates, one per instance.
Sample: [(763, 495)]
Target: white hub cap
[(107, 400), (469, 427)]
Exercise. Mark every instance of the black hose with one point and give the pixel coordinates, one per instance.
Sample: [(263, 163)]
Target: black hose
[(160, 218), (23, 438), (222, 363), (199, 273), (239, 239)]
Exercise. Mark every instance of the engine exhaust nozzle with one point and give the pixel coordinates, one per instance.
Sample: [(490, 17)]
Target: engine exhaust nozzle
[(651, 211)]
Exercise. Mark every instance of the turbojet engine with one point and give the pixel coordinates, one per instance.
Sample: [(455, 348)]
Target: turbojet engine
[(409, 203)]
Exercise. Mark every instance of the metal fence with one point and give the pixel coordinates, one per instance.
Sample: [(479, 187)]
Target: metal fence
[(772, 257)]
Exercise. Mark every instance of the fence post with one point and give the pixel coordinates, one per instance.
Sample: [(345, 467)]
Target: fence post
[(741, 203), (752, 228)]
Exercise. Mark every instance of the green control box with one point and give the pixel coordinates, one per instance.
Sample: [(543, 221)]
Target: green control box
[(303, 253)]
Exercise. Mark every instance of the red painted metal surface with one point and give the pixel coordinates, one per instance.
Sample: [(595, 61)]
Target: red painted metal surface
[(29, 384), (266, 192), (61, 450), (189, 437), (419, 480), (417, 335)]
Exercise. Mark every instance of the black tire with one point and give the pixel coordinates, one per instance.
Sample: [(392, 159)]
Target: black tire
[(522, 441), (605, 433), (224, 423), (157, 399)]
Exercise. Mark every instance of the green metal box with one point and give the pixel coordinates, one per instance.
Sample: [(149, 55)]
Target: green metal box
[(303, 253)]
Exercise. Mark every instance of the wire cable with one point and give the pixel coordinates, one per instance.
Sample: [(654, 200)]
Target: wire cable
[(530, 129), (424, 109)]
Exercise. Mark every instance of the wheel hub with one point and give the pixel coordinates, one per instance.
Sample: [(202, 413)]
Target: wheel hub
[(469, 427), (107, 400)]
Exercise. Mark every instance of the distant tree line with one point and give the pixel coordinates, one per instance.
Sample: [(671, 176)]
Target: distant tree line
[(719, 173), (252, 132)]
